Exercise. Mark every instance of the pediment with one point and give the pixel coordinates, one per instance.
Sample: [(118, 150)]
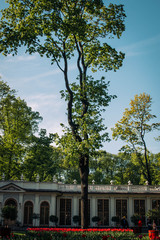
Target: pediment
[(11, 188)]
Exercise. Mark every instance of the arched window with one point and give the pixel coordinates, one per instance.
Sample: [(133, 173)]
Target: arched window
[(28, 213), (44, 213), (11, 202)]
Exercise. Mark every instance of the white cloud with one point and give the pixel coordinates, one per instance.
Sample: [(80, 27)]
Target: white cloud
[(23, 58), (42, 75), (47, 74), (51, 108), (52, 126), (44, 102)]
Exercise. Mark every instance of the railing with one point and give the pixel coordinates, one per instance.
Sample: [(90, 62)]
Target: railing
[(10, 186), (111, 188)]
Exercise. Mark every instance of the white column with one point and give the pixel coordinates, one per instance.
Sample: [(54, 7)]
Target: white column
[(53, 206), (130, 210), (37, 208), (148, 205), (20, 209), (112, 210), (74, 208), (93, 209)]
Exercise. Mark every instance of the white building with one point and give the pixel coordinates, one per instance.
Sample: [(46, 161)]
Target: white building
[(63, 200)]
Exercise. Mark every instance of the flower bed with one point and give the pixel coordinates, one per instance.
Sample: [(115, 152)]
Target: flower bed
[(77, 234), (81, 234)]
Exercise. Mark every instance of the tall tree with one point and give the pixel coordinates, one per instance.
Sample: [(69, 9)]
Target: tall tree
[(17, 124), (62, 30), (133, 127), (42, 158)]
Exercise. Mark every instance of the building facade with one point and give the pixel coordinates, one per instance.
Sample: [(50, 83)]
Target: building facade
[(43, 199)]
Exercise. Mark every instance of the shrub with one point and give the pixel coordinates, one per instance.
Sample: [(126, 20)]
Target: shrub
[(135, 218), (53, 219), (95, 219), (9, 212), (76, 219), (115, 219)]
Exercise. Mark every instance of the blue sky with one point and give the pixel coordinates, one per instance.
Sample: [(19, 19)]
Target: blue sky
[(39, 83)]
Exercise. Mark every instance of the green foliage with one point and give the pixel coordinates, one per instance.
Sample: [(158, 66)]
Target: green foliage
[(103, 167), (91, 124), (17, 124), (116, 219), (132, 128), (96, 219), (135, 121), (135, 218), (76, 219), (69, 28), (44, 28), (95, 235), (41, 158), (9, 212), (53, 218), (153, 214), (61, 30)]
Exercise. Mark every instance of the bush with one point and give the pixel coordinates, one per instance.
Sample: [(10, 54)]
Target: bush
[(9, 212), (135, 218), (53, 219), (153, 214), (115, 219), (95, 219), (76, 219)]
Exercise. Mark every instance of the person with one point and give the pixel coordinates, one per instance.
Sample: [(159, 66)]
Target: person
[(154, 226), (124, 222), (140, 225)]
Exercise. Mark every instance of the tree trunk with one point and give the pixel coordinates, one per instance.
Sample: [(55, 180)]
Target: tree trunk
[(84, 171)]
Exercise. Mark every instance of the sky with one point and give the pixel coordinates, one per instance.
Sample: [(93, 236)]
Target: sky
[(39, 82)]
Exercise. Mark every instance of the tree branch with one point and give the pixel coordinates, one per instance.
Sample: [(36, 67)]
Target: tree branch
[(70, 101)]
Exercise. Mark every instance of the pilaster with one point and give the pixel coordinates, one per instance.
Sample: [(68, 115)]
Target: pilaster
[(112, 209), (130, 210), (93, 209)]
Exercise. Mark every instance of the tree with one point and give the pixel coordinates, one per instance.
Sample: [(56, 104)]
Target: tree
[(62, 30), (103, 167), (17, 124), (41, 158), (133, 127)]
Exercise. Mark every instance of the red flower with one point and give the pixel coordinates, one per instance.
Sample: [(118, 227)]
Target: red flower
[(104, 237), (83, 235), (64, 235)]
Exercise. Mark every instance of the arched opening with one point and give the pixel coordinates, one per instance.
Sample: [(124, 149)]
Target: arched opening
[(28, 213), (10, 202), (44, 213)]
